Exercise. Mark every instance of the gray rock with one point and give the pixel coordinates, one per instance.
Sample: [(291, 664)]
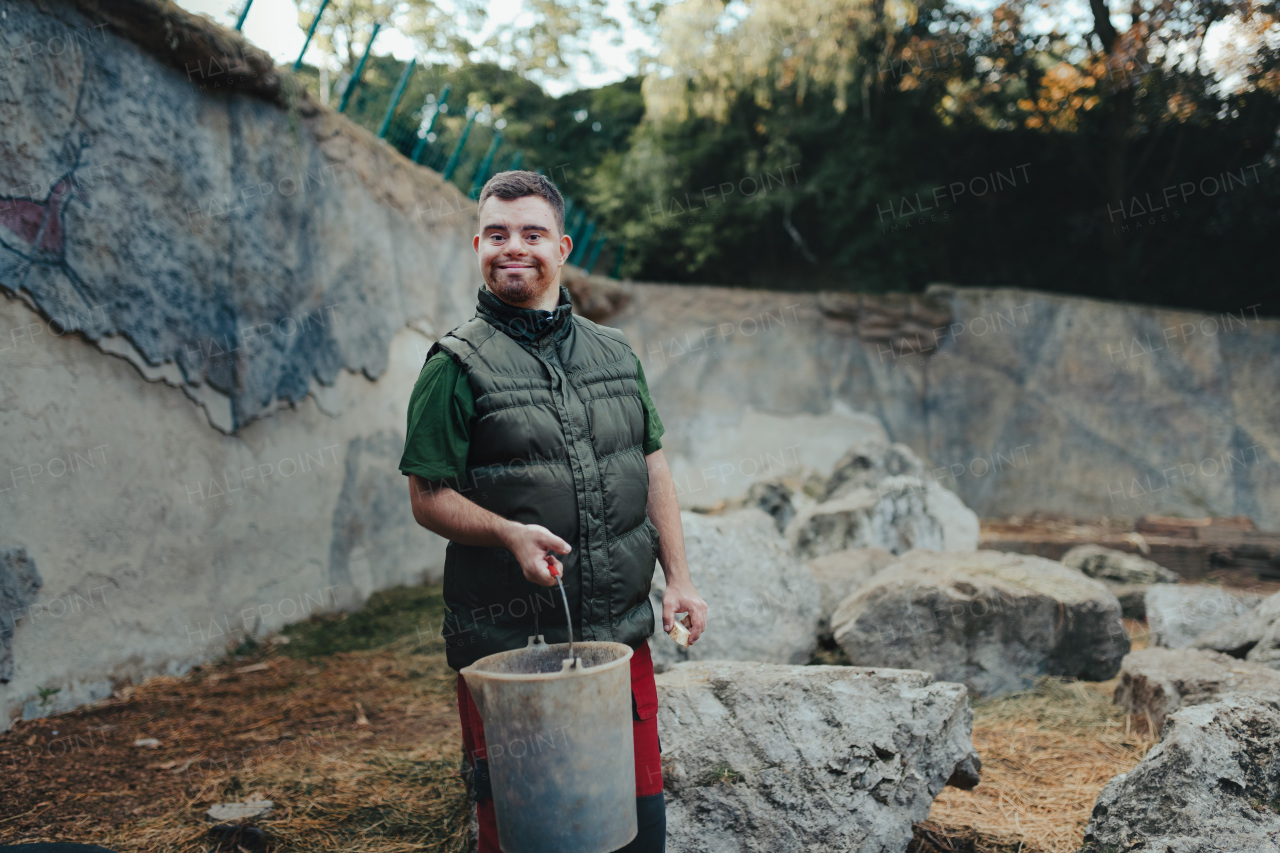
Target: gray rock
[(1108, 564), (1158, 682), (250, 810), (1177, 615), (900, 513), (1132, 597), (1267, 650), (774, 498), (841, 574), (1212, 783), (19, 582), (869, 462), (761, 605), (1243, 636), (993, 620), (762, 757)]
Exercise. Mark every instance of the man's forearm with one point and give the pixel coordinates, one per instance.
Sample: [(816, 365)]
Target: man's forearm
[(444, 511), (664, 511)]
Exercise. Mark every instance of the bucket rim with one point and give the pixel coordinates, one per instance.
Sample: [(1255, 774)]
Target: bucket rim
[(547, 676)]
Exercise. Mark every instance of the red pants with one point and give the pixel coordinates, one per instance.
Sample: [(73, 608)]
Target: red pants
[(644, 720)]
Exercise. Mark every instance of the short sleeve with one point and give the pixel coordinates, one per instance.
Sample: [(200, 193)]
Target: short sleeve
[(653, 428), (441, 412)]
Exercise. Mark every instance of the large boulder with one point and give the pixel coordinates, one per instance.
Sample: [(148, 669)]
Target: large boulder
[(898, 514), (1254, 635), (1108, 564), (878, 495), (1212, 783), (1178, 614), (761, 605), (763, 757), (993, 620), (841, 574), (1128, 576), (1156, 682), (867, 463)]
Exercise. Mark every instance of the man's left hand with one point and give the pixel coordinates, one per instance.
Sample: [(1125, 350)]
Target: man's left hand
[(683, 598)]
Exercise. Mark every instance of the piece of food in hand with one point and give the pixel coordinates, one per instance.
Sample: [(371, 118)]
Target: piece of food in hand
[(680, 631)]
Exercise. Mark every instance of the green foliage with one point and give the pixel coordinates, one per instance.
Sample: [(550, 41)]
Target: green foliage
[(47, 694), (879, 147), (565, 137), (892, 175), (720, 774)]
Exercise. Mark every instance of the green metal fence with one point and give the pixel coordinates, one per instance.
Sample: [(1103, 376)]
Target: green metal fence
[(465, 153)]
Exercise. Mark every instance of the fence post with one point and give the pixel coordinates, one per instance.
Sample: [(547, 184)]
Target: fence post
[(310, 33), (515, 161), (482, 174), (422, 140), (243, 14), (617, 259), (595, 253), (355, 75), (396, 96), (580, 222), (457, 152), (580, 249)]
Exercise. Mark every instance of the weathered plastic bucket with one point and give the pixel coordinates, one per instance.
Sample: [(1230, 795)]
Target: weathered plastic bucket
[(559, 743)]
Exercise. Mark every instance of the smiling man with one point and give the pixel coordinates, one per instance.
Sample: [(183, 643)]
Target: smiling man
[(532, 439)]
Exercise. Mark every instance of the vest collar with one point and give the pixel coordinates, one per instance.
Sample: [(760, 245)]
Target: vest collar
[(526, 324)]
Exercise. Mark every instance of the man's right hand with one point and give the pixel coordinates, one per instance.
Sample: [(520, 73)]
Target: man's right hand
[(532, 544)]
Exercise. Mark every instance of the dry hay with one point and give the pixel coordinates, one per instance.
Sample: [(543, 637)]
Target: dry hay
[(351, 729), (390, 801), (1046, 755), (356, 741)]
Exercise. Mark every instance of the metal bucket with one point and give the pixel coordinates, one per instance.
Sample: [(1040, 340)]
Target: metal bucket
[(559, 743)]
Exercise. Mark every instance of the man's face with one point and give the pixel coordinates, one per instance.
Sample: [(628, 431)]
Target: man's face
[(520, 249)]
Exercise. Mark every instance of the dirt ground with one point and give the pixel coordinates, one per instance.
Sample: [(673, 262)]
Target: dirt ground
[(343, 742), (350, 727)]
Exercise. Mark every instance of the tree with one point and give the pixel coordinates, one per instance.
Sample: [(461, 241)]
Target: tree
[(541, 42), (888, 113), (343, 32)]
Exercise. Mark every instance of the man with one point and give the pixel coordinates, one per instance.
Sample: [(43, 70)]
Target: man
[(531, 441)]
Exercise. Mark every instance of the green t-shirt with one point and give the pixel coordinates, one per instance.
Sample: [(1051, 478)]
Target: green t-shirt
[(442, 410)]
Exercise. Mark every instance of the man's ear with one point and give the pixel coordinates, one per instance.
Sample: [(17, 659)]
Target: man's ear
[(475, 243), (566, 248)]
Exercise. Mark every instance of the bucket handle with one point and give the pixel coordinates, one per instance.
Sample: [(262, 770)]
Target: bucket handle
[(571, 662)]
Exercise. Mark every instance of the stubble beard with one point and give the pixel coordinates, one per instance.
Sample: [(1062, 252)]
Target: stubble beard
[(522, 290)]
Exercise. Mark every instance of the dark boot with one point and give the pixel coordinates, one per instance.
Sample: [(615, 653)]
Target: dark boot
[(651, 816)]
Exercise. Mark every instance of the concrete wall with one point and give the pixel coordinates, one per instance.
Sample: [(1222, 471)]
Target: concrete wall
[(206, 347), (1021, 400)]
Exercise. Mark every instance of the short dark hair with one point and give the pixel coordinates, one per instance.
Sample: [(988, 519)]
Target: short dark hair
[(518, 183)]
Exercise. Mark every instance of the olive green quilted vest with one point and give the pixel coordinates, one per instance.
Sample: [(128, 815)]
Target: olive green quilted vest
[(557, 441)]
